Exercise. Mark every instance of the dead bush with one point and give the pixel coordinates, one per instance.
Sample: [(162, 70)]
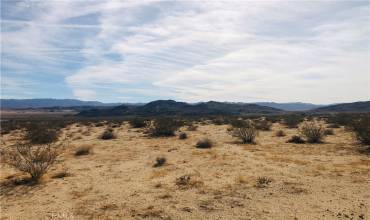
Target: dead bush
[(32, 159), (183, 135), (204, 143), (263, 182), (296, 140), (159, 161), (244, 130), (83, 150), (107, 135), (312, 131), (280, 133)]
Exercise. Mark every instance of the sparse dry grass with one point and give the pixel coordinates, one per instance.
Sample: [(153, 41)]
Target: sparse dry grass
[(197, 184)]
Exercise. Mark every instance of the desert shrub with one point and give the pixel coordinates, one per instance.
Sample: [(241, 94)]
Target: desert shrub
[(159, 161), (108, 134), (280, 133), (137, 122), (328, 131), (312, 131), (244, 130), (292, 121), (204, 143), (83, 150), (296, 140), (163, 127), (32, 159), (183, 135), (263, 182), (361, 128), (263, 125), (342, 119), (41, 134)]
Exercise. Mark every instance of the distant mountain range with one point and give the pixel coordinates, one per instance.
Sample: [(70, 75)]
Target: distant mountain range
[(290, 106), (345, 107), (48, 103), (173, 108)]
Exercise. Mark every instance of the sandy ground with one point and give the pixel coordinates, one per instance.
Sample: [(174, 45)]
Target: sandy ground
[(118, 180)]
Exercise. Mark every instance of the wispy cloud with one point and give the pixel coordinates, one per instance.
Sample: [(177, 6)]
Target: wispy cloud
[(193, 51)]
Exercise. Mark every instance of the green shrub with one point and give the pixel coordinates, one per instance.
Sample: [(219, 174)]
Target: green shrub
[(361, 128), (163, 127), (292, 121), (262, 124), (38, 133), (244, 130), (137, 122), (312, 131)]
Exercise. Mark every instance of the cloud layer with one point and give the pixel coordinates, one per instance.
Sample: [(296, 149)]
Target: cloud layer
[(137, 51)]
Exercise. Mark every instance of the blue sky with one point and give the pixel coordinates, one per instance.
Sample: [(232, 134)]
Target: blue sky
[(138, 51)]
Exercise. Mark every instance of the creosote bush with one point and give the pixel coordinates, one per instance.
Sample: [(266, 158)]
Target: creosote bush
[(204, 143), (244, 130), (162, 127), (312, 131), (262, 124), (108, 134), (32, 159), (41, 134), (183, 135), (292, 121), (137, 122), (361, 128), (296, 140)]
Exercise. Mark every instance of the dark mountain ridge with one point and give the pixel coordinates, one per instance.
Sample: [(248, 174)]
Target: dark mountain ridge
[(173, 108), (49, 103), (344, 107)]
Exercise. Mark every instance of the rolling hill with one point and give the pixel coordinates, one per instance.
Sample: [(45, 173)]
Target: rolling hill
[(172, 108), (345, 107), (291, 106), (48, 103)]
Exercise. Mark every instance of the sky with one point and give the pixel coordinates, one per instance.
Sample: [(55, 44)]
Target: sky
[(139, 50)]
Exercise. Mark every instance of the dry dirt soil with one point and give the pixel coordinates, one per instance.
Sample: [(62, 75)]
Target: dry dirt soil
[(117, 179)]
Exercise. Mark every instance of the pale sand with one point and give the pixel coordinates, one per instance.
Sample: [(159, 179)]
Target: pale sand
[(117, 181)]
